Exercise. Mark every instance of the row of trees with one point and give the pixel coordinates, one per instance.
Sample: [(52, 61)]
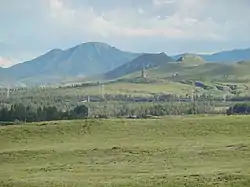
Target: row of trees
[(141, 110), (19, 112)]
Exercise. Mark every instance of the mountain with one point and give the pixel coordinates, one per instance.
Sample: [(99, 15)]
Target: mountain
[(229, 56), (224, 56), (143, 61), (82, 60)]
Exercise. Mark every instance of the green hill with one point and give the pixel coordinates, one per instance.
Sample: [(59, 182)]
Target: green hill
[(211, 78), (189, 69)]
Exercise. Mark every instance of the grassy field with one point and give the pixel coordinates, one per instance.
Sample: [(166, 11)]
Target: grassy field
[(171, 152), (123, 88)]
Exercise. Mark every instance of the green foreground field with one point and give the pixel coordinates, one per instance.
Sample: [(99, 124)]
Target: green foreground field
[(172, 151)]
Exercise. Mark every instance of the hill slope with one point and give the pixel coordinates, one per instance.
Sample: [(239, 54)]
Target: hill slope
[(143, 61), (179, 71), (82, 60)]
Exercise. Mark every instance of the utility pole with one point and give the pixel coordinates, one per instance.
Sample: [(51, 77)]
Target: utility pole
[(193, 97), (89, 110), (102, 90)]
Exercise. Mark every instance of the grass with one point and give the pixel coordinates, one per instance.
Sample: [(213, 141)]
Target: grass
[(173, 151), (137, 89), (133, 89)]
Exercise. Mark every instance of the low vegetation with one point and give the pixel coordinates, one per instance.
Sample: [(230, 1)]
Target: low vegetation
[(167, 152)]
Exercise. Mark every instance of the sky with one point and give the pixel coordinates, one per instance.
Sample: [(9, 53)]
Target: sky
[(30, 28)]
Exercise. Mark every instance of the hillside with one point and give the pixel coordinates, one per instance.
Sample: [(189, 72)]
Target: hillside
[(144, 61), (194, 67), (82, 60), (211, 78), (190, 60)]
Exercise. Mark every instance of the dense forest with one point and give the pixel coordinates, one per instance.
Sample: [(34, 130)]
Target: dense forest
[(19, 112)]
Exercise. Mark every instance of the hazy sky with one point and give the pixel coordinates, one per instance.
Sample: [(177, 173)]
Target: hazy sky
[(32, 27)]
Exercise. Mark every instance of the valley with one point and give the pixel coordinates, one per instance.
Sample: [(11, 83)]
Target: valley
[(115, 93)]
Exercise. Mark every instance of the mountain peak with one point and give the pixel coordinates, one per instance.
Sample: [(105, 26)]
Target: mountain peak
[(56, 50), (93, 44)]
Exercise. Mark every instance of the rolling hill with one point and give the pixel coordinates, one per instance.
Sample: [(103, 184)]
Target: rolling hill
[(186, 69)]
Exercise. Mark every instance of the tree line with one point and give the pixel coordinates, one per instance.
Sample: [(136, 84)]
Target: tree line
[(20, 112), (143, 110), (239, 108)]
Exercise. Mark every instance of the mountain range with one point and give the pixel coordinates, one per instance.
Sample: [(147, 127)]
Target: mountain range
[(231, 56), (94, 58)]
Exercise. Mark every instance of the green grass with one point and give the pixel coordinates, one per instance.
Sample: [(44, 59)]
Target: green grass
[(173, 151)]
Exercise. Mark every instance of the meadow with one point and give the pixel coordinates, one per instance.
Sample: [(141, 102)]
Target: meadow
[(168, 151)]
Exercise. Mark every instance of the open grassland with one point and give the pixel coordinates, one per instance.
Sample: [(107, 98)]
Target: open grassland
[(114, 88), (171, 152)]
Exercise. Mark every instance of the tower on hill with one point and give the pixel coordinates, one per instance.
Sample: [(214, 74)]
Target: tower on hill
[(143, 73)]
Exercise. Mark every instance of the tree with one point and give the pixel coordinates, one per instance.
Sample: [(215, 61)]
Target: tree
[(80, 112)]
